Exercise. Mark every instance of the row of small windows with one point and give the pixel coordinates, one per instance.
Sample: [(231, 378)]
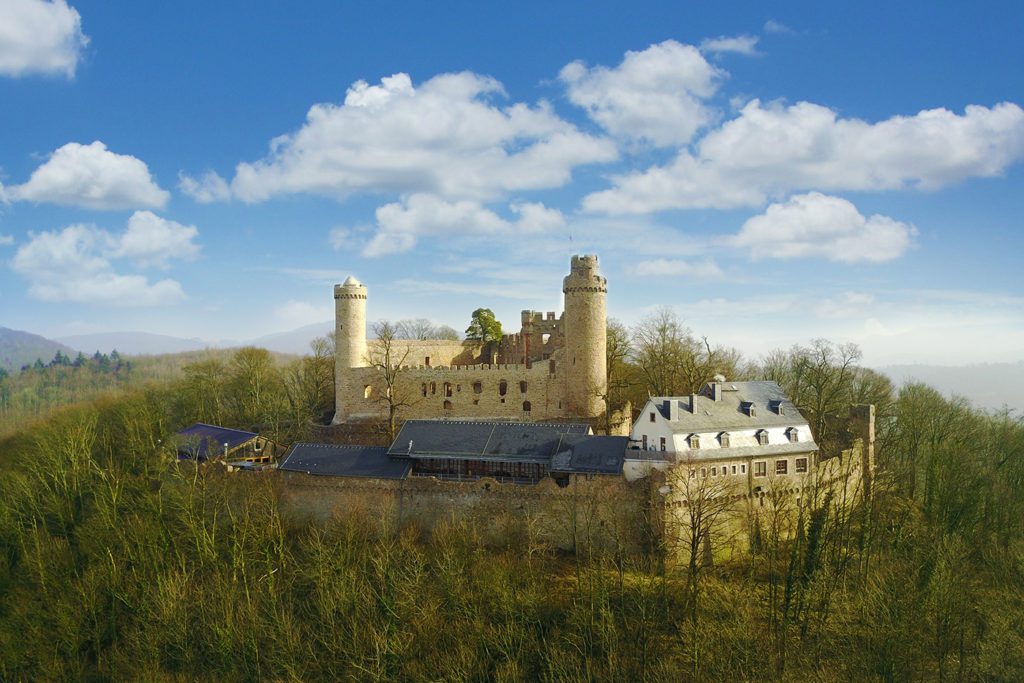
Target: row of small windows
[(430, 389), (527, 407), (760, 468)]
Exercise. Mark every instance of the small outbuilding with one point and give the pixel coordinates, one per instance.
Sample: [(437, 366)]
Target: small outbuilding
[(202, 442)]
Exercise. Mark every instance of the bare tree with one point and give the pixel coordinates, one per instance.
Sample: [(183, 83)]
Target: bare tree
[(387, 355), (698, 507), (821, 380), (673, 361), (617, 350)]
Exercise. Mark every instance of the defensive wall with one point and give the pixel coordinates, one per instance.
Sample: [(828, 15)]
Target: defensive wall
[(554, 368), (604, 511), (608, 512)]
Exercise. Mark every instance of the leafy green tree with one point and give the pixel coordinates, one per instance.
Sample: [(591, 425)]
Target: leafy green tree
[(484, 328)]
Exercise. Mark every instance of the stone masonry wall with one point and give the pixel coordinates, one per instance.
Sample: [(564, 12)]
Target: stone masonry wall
[(605, 511), (470, 391)]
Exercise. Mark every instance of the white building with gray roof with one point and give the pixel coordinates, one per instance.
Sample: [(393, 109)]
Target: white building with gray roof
[(733, 430)]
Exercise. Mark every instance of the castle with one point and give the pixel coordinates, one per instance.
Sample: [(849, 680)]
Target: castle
[(554, 368)]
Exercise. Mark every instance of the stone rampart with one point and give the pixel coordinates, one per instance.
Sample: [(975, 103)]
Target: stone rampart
[(602, 510)]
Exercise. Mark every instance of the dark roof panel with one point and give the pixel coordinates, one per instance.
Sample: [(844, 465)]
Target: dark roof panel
[(344, 461), (591, 454), (193, 441), (465, 439)]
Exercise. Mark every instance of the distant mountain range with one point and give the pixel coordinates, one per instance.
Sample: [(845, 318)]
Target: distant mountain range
[(19, 348), (990, 386), (143, 343), (132, 343), (296, 341)]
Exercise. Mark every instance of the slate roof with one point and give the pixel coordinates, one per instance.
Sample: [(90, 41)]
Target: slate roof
[(586, 454), (193, 441), (728, 412), (535, 442), (344, 461)]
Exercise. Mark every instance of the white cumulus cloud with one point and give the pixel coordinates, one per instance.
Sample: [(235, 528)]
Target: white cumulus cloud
[(76, 263), (818, 225), (445, 137), (743, 45), (40, 37), (772, 150), (92, 177), (400, 224), (208, 188), (151, 240), (656, 94), (6, 240)]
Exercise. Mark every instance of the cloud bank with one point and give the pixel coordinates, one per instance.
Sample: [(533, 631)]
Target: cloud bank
[(39, 37)]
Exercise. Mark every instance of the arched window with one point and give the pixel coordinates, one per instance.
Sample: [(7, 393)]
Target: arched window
[(502, 388), (526, 406), (477, 387), (433, 388), (447, 405), (424, 388), (448, 389), (367, 391), (522, 387)]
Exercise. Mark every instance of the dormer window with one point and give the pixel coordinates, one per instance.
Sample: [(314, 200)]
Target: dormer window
[(776, 407), (693, 440), (762, 437), (748, 408), (723, 439), (793, 434)]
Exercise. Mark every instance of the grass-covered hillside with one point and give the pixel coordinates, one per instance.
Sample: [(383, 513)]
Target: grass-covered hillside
[(119, 563)]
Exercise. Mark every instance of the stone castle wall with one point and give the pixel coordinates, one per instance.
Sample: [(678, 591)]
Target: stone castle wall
[(561, 360), (605, 511), (464, 391)]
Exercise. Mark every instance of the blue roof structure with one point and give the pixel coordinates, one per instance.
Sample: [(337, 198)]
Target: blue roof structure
[(344, 461), (495, 441), (194, 442)]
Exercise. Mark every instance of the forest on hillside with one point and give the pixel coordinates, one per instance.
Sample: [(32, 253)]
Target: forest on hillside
[(119, 562)]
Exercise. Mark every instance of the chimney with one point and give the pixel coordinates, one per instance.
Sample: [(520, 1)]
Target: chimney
[(671, 409), (716, 388), (693, 403)]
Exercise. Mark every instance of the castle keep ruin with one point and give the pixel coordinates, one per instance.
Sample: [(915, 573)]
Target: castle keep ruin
[(554, 368)]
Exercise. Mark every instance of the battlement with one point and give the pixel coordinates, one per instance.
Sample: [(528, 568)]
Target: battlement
[(584, 264), (481, 367), (529, 317)]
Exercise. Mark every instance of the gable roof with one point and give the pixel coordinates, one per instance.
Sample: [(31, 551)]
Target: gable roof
[(701, 413), (344, 461), (470, 440), (195, 440)]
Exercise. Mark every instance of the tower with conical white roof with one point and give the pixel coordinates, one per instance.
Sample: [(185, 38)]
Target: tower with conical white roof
[(349, 337)]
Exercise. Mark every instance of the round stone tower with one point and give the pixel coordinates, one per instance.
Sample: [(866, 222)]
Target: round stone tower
[(349, 338), (585, 328)]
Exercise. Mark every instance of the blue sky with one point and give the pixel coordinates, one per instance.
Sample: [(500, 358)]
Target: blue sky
[(210, 169)]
